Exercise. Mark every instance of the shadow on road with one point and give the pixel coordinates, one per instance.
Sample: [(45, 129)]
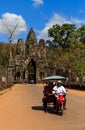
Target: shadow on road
[(40, 108)]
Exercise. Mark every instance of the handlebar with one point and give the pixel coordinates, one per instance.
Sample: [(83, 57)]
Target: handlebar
[(60, 93)]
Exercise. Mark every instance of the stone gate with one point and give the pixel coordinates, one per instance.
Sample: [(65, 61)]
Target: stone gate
[(31, 62)]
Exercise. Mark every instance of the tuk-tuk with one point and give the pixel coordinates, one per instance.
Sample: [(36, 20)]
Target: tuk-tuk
[(48, 96)]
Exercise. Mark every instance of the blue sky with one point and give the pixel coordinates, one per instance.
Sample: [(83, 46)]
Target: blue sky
[(41, 15)]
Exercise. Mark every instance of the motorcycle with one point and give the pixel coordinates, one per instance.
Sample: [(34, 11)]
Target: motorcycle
[(60, 103)]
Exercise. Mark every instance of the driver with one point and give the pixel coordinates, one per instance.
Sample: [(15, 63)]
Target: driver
[(59, 89)]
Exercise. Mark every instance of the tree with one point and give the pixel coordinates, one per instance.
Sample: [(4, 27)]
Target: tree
[(61, 34), (81, 33), (12, 25), (10, 31)]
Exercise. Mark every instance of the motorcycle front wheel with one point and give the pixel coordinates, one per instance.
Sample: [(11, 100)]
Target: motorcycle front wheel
[(60, 110)]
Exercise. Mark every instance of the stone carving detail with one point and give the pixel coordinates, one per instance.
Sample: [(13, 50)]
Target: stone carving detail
[(20, 50)]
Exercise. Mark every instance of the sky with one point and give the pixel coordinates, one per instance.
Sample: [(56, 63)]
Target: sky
[(39, 15)]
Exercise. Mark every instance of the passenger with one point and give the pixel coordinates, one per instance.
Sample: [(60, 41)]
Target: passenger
[(47, 88), (47, 94)]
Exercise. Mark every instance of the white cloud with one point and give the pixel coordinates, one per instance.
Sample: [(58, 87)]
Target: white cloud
[(58, 19), (37, 2), (9, 21), (77, 21)]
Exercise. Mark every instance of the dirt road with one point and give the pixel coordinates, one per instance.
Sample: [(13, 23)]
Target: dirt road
[(21, 109)]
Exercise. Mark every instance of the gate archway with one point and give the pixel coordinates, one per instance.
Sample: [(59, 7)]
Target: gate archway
[(32, 71)]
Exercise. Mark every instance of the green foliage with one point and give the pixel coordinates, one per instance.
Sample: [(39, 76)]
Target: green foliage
[(72, 42), (62, 34), (81, 32)]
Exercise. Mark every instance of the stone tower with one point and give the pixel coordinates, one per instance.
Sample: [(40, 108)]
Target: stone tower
[(31, 61), (31, 38)]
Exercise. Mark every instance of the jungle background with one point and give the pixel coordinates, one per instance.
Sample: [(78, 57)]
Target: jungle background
[(66, 45)]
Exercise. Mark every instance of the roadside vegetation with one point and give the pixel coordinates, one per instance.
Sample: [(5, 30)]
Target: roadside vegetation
[(68, 47)]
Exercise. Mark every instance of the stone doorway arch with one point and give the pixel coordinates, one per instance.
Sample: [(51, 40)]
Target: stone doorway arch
[(32, 71)]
